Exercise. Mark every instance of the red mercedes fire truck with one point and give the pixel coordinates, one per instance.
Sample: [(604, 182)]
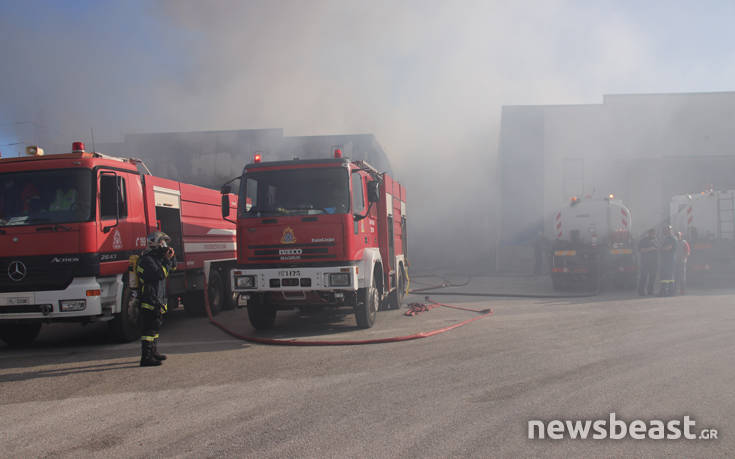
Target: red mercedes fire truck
[(319, 232), (68, 225)]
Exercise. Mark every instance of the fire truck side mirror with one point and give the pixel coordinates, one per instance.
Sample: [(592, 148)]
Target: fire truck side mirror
[(372, 191), (225, 205)]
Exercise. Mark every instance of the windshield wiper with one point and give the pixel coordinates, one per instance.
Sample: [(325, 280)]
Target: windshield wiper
[(56, 227)]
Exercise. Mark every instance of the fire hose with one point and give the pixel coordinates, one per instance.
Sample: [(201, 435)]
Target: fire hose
[(447, 284), (393, 339)]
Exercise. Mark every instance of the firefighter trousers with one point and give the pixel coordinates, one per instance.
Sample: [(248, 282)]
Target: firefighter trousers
[(151, 320)]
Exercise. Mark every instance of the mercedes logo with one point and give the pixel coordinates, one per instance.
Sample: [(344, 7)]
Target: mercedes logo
[(17, 271)]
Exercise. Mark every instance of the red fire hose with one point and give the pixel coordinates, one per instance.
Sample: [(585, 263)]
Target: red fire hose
[(393, 339)]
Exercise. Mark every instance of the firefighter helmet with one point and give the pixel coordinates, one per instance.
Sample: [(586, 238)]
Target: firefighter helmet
[(158, 239)]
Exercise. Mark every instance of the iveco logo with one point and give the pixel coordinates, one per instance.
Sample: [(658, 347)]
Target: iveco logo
[(17, 271)]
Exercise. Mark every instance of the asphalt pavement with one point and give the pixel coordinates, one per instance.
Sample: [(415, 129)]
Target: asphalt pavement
[(469, 392)]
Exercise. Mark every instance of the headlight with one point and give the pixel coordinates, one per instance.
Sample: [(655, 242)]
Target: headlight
[(245, 282), (73, 305), (339, 279)]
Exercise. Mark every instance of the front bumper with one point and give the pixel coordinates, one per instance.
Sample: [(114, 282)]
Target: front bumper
[(323, 279), (47, 305)]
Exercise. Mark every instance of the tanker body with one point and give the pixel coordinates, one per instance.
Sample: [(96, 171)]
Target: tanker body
[(591, 244)]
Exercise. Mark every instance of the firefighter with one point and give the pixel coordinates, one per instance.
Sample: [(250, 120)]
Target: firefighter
[(154, 265), (682, 254), (648, 248), (64, 199), (667, 263)]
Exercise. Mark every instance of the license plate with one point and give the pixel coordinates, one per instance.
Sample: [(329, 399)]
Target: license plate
[(289, 273), (17, 301)]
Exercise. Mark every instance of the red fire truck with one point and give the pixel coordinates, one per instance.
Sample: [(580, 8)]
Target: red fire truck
[(319, 232), (70, 222)]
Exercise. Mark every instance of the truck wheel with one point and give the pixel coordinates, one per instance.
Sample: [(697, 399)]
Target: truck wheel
[(230, 301), (19, 334), (396, 297), (216, 292), (402, 286), (230, 298), (366, 308), (261, 315), (124, 326)]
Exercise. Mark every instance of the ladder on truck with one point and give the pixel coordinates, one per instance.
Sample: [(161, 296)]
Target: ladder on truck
[(725, 215)]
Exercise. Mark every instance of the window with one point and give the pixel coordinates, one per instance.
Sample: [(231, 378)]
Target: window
[(45, 196), (308, 191), (358, 195), (113, 193)]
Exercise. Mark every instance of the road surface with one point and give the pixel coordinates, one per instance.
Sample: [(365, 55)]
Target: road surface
[(469, 392)]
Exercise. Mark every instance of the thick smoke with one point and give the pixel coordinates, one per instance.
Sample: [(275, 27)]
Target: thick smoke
[(427, 78)]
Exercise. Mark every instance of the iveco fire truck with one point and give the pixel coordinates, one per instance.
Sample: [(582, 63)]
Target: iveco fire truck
[(707, 221), (68, 225), (592, 243), (319, 232)]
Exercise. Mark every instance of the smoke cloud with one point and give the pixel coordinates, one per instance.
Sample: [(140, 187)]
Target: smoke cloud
[(428, 78)]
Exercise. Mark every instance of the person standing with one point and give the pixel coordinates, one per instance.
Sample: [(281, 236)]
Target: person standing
[(648, 248), (154, 266), (682, 254), (668, 259)]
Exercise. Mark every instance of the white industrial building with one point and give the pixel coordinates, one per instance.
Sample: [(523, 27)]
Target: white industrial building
[(643, 148)]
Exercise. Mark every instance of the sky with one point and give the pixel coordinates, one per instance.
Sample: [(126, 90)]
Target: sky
[(142, 66), (427, 77)]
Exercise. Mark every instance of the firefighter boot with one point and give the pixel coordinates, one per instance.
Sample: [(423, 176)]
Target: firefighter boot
[(146, 355), (156, 355)]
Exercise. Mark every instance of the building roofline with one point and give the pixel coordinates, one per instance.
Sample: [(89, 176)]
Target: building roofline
[(668, 94), (550, 106), (219, 131)]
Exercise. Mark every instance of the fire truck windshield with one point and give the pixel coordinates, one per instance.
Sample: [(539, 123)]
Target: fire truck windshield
[(308, 191), (45, 196)]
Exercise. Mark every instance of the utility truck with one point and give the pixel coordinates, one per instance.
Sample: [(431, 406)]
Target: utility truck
[(592, 243)]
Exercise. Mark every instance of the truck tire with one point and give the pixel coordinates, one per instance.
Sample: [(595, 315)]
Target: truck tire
[(216, 292), (261, 315), (125, 326), (366, 308), (396, 296), (19, 334), (230, 299), (402, 286)]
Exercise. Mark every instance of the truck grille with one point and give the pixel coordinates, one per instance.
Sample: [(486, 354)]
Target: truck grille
[(25, 308), (42, 273), (291, 252)]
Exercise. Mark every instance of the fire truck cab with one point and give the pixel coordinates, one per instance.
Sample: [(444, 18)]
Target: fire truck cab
[(69, 224), (319, 232)]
